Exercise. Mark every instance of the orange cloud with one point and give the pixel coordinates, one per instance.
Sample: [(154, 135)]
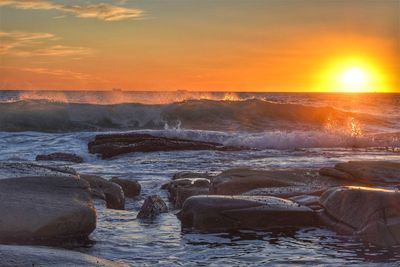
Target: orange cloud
[(31, 44), (103, 11)]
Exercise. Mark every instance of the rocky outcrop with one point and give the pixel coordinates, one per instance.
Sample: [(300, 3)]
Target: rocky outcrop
[(370, 213), (111, 192), (181, 189), (60, 157), (112, 145), (180, 175), (131, 188), (152, 207), (24, 169), (281, 183), (45, 209), (372, 173), (224, 213), (13, 256)]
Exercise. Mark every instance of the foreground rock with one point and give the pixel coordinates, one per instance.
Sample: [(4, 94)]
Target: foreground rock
[(60, 157), (152, 207), (373, 173), (181, 189), (112, 145), (370, 213), (12, 256), (223, 213), (131, 188), (45, 209), (281, 183), (111, 192), (24, 169)]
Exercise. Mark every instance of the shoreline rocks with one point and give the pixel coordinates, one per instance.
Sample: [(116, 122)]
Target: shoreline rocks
[(216, 213), (58, 156), (131, 188), (111, 145), (45, 209), (12, 256), (111, 192), (152, 207)]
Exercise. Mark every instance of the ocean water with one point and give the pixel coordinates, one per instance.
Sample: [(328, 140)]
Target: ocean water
[(281, 130)]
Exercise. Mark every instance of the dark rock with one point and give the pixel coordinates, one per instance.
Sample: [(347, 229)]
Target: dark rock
[(181, 175), (111, 192), (60, 157), (152, 207), (282, 183), (370, 213), (45, 209), (112, 145), (13, 256), (373, 173), (131, 188), (224, 213), (25, 169), (307, 200), (181, 189)]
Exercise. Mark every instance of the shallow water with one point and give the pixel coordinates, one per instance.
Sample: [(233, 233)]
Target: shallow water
[(119, 236)]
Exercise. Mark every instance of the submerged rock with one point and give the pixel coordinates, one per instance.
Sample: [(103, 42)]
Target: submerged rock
[(131, 188), (45, 209), (25, 169), (111, 192), (181, 175), (12, 256), (181, 189), (152, 207), (60, 157), (112, 145), (373, 173), (370, 213), (224, 213)]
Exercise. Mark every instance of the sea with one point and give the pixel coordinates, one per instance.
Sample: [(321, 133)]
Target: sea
[(280, 130)]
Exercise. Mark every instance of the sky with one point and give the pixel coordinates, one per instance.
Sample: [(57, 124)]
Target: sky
[(201, 45)]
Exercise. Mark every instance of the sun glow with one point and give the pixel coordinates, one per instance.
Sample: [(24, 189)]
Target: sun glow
[(353, 75)]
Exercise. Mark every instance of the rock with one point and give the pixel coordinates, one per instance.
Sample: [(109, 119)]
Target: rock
[(181, 175), (370, 213), (152, 207), (181, 189), (282, 183), (307, 200), (24, 169), (111, 192), (373, 173), (131, 188), (224, 213), (112, 145), (45, 209), (12, 256), (60, 157)]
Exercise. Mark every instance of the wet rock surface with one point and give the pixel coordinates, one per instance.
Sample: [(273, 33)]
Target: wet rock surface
[(152, 207), (374, 173), (181, 189), (45, 209), (24, 169), (370, 213), (225, 213), (111, 192), (13, 256), (131, 188), (60, 157), (112, 145), (281, 183)]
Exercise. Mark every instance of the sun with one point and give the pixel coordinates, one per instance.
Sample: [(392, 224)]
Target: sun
[(352, 75)]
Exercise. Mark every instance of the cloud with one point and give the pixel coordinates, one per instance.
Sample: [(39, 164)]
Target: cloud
[(65, 74), (103, 11), (36, 44)]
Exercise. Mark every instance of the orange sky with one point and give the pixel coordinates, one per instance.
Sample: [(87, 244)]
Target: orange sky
[(228, 45)]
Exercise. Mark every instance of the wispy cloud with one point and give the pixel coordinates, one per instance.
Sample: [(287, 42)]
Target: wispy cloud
[(101, 11), (36, 44), (65, 74)]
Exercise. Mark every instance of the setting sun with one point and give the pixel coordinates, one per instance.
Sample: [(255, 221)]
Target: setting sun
[(354, 78)]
